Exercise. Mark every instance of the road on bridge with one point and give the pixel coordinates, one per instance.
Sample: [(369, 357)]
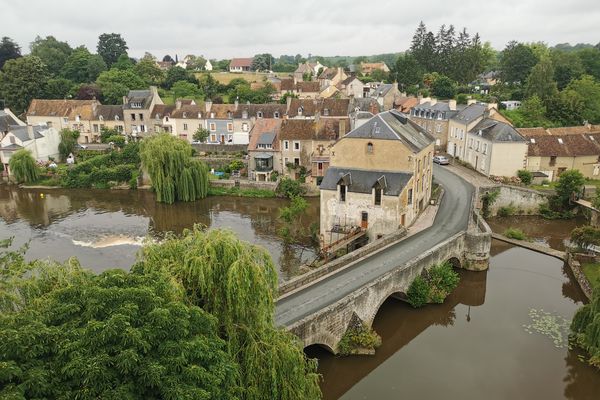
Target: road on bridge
[(452, 217)]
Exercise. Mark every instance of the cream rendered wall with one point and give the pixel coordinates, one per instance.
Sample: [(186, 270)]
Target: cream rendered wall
[(507, 158), (589, 166)]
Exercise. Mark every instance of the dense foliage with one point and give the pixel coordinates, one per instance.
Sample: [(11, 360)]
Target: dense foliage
[(237, 282), (289, 188), (586, 328), (358, 338), (66, 333), (23, 167), (175, 175), (68, 142), (586, 236), (433, 285), (525, 176)]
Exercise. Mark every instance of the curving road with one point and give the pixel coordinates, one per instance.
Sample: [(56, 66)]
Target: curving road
[(452, 217)]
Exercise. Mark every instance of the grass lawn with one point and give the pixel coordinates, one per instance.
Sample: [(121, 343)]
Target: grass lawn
[(592, 273)]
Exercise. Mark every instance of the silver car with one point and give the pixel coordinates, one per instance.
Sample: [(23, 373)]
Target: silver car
[(441, 160)]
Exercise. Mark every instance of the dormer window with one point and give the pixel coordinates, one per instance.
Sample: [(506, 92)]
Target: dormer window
[(184, 115), (229, 114), (167, 119), (369, 148), (245, 114), (326, 111), (136, 104), (101, 118), (157, 116), (259, 114), (299, 110), (212, 114), (117, 118), (276, 114)]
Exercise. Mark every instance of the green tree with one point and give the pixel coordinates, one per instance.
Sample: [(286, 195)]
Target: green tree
[(185, 89), (237, 282), (110, 47), (525, 176), (569, 183), (201, 134), (149, 72), (123, 63), (408, 71), (23, 167), (533, 112), (52, 52), (210, 86), (175, 175), (262, 62), (57, 88), (587, 89), (176, 74), (541, 82), (9, 49), (293, 229), (106, 133), (586, 328), (82, 66), (22, 80), (68, 141), (567, 67), (590, 59), (565, 108), (444, 87), (116, 83), (423, 48), (289, 188), (116, 335), (516, 62)]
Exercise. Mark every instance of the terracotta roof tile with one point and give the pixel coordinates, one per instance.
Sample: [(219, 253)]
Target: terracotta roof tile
[(570, 145), (265, 126), (62, 108)]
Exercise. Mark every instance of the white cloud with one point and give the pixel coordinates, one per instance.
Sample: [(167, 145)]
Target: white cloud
[(229, 28)]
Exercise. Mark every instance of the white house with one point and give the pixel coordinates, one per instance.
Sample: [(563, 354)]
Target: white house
[(208, 66), (42, 141)]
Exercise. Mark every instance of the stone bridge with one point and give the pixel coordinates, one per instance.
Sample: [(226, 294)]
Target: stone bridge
[(459, 235)]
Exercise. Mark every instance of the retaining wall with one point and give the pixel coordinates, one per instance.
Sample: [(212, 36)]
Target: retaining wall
[(524, 201), (227, 148), (244, 184)]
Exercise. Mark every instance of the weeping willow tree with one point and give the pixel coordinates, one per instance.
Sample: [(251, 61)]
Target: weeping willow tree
[(586, 328), (175, 175), (237, 283), (23, 167)]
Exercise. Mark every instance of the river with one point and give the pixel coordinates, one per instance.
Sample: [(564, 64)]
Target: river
[(474, 346), (105, 228)]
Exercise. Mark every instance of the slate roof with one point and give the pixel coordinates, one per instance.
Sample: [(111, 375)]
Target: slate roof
[(363, 181), (308, 86), (138, 96), (109, 112), (193, 111), (496, 131), (221, 111), (470, 113), (335, 107), (160, 110), (266, 138), (382, 90), (22, 131), (6, 120), (564, 146), (393, 125)]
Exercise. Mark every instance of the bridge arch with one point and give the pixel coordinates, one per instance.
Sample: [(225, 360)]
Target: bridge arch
[(455, 262), (399, 294), (320, 346), (323, 340)]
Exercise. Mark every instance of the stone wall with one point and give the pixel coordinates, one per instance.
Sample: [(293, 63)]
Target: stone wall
[(244, 184), (227, 148), (524, 201)]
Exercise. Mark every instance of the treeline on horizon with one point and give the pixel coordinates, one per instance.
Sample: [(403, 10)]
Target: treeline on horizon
[(557, 85)]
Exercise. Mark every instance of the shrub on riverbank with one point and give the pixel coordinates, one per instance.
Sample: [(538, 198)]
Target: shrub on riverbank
[(237, 192), (586, 236), (506, 211), (433, 286), (359, 339), (585, 328), (515, 233)]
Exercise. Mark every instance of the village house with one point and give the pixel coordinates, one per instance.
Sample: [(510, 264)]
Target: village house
[(240, 64), (8, 119), (264, 157), (405, 103), (305, 145), (368, 68), (495, 148), (331, 77), (307, 69), (137, 109), (325, 108), (41, 140), (185, 119), (379, 178), (161, 118), (219, 122), (463, 121), (362, 110), (386, 94), (555, 150), (246, 115), (208, 65), (65, 114), (109, 117), (351, 87), (434, 116), (301, 89)]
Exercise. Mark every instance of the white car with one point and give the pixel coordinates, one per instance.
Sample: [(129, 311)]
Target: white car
[(441, 160)]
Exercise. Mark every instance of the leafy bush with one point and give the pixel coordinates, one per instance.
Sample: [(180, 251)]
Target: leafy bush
[(68, 141), (433, 286), (357, 338), (289, 188), (586, 236), (236, 165), (515, 233), (585, 329), (506, 211), (525, 176), (487, 200)]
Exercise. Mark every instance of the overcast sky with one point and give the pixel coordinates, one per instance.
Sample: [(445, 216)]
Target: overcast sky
[(237, 28)]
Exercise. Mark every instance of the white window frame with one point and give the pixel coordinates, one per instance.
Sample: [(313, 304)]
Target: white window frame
[(212, 127), (286, 144), (296, 145)]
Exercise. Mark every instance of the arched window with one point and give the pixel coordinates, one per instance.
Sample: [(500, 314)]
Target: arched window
[(369, 148), (276, 114)]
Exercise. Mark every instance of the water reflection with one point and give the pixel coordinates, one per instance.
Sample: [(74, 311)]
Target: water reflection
[(474, 345), (105, 228)]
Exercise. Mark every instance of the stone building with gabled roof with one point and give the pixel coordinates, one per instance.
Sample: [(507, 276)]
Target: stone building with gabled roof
[(240, 64), (65, 114), (137, 109), (264, 157), (379, 178)]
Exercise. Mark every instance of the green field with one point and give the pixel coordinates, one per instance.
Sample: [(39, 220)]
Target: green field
[(226, 77)]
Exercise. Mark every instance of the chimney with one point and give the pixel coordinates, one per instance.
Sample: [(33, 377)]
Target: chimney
[(237, 103), (288, 101), (424, 100), (471, 101), (452, 105), (178, 104), (492, 106), (433, 101), (208, 105), (342, 128)]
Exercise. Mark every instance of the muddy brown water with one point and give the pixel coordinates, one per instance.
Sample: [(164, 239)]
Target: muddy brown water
[(105, 228), (474, 346)]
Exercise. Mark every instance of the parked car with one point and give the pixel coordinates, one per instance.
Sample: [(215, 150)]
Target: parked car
[(441, 160)]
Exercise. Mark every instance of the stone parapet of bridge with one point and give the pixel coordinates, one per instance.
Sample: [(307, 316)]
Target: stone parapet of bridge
[(469, 249)]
